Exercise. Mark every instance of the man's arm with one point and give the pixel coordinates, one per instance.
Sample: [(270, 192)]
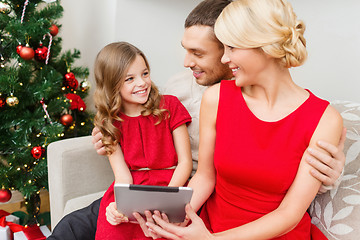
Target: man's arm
[(328, 168)]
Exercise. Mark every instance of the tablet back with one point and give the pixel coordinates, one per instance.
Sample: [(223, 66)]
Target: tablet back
[(131, 198)]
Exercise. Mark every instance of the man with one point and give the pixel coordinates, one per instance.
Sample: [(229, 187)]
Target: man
[(203, 57)]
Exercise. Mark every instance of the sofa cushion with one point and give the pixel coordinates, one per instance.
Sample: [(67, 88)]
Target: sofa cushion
[(337, 212)]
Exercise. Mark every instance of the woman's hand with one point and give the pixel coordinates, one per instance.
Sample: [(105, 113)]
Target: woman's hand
[(113, 216), (144, 227), (196, 230)]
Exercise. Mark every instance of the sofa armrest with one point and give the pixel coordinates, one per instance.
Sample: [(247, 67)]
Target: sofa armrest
[(74, 170)]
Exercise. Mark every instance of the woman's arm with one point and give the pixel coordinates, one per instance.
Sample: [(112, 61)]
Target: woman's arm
[(182, 146), (121, 171), (203, 182), (300, 194)]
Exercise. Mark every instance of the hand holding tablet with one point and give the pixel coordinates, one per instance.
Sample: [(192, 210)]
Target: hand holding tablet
[(131, 198)]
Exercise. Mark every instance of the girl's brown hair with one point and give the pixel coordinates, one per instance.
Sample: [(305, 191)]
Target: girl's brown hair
[(111, 65)]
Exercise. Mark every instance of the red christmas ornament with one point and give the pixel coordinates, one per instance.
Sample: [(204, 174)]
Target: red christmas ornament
[(73, 84), (18, 49), (2, 102), (69, 76), (54, 30), (27, 53), (66, 119), (37, 151), (41, 53), (5, 195)]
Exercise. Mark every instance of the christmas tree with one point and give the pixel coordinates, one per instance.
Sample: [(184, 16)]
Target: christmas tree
[(41, 99)]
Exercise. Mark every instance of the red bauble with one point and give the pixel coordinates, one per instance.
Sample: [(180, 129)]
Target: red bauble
[(2, 102), (27, 53), (37, 151), (73, 83), (41, 53), (18, 49), (69, 76), (5, 195), (66, 119), (54, 30)]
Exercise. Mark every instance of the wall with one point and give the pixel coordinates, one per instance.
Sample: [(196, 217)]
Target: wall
[(156, 27)]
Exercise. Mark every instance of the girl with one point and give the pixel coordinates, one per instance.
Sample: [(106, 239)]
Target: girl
[(144, 133), (255, 180)]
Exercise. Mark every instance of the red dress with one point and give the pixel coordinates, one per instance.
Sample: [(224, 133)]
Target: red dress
[(145, 145), (256, 161)]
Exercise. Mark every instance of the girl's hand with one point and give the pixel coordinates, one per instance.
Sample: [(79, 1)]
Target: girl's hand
[(113, 216), (196, 230)]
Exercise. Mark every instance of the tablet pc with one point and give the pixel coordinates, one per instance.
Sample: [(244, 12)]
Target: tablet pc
[(131, 198)]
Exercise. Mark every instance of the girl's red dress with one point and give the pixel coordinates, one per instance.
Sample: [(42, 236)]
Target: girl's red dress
[(145, 145), (256, 162)]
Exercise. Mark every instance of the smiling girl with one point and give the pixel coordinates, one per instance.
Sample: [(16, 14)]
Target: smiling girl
[(144, 133)]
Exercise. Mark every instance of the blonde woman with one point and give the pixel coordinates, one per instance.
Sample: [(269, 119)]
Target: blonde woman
[(144, 133), (255, 181)]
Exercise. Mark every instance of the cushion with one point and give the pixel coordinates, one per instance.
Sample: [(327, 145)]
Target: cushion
[(337, 212)]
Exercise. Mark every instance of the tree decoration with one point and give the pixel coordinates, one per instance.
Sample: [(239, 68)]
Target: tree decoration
[(48, 48), (71, 81), (37, 152), (41, 53), (85, 85), (5, 195), (23, 12), (18, 48), (12, 100), (27, 52), (66, 119), (54, 30), (46, 112), (5, 8), (2, 101), (76, 102)]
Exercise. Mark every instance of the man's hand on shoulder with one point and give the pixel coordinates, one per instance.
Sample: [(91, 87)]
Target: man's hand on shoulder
[(328, 169)]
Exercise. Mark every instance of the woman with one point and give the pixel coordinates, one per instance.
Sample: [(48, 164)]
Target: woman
[(262, 124)]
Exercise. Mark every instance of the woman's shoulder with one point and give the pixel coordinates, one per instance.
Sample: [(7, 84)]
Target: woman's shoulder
[(332, 117)]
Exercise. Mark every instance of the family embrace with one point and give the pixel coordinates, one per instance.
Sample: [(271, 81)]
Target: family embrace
[(260, 146)]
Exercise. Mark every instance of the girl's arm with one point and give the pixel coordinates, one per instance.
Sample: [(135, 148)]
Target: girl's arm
[(203, 182), (182, 146), (121, 171), (300, 194)]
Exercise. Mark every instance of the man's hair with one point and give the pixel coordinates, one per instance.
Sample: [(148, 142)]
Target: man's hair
[(206, 13)]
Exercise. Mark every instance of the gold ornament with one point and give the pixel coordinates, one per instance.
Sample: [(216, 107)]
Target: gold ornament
[(4, 8), (85, 85), (12, 101)]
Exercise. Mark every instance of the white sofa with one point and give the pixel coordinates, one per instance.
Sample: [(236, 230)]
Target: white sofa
[(78, 176)]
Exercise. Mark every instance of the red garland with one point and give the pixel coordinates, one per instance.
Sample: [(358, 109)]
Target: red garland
[(76, 102)]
